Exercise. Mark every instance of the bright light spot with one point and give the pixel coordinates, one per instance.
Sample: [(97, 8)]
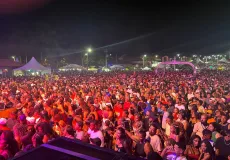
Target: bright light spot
[(33, 73), (89, 50), (145, 55), (156, 56), (178, 55), (86, 54)]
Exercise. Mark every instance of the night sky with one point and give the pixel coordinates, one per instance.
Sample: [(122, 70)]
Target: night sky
[(64, 27)]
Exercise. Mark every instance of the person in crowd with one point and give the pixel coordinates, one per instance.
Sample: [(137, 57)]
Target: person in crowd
[(122, 143), (192, 149), (94, 132), (79, 133), (213, 128), (222, 146), (200, 126), (12, 121), (206, 151), (117, 110), (154, 139)]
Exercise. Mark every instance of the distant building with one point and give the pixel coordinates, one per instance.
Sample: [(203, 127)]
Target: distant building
[(7, 66)]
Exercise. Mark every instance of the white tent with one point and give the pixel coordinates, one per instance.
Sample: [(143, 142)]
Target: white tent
[(72, 67), (116, 67), (146, 69), (224, 60), (175, 63), (35, 66)]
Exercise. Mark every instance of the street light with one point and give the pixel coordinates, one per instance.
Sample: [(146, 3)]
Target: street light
[(89, 50), (13, 57), (156, 56), (178, 55), (144, 60)]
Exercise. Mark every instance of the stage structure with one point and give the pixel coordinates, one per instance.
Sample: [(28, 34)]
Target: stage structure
[(163, 65)]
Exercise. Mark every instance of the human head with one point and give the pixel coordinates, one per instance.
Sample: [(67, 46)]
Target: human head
[(206, 147), (207, 134), (181, 115), (142, 135), (170, 142), (203, 118), (212, 126), (37, 140), (69, 130), (78, 125), (169, 119), (227, 135), (179, 148), (152, 130), (195, 141), (93, 125), (224, 118), (95, 141), (120, 133)]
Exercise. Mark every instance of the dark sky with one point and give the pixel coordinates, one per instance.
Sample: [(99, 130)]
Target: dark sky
[(68, 26)]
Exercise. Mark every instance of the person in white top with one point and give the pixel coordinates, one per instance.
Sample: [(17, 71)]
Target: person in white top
[(165, 116), (94, 132), (200, 126), (79, 131), (190, 94), (180, 106), (155, 140)]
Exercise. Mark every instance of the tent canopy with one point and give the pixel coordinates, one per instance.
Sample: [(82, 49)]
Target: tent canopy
[(34, 65), (117, 67), (175, 63), (224, 60), (73, 67)]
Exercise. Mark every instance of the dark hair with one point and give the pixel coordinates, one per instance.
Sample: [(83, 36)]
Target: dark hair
[(70, 130), (12, 143), (132, 111), (122, 130), (183, 115), (209, 148), (181, 145), (194, 137), (206, 132), (46, 128), (142, 132), (96, 141), (38, 138), (80, 124)]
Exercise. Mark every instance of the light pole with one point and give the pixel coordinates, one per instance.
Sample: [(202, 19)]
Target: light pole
[(144, 60), (13, 57), (89, 50), (106, 56)]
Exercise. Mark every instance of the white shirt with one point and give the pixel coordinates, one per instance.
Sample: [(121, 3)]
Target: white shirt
[(79, 135), (165, 116), (198, 129), (155, 142), (190, 96), (97, 134), (180, 107), (167, 129)]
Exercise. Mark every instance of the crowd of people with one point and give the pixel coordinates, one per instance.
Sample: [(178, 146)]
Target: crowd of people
[(175, 116)]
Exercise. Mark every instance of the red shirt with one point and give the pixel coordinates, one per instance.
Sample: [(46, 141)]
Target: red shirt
[(127, 106), (118, 111)]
